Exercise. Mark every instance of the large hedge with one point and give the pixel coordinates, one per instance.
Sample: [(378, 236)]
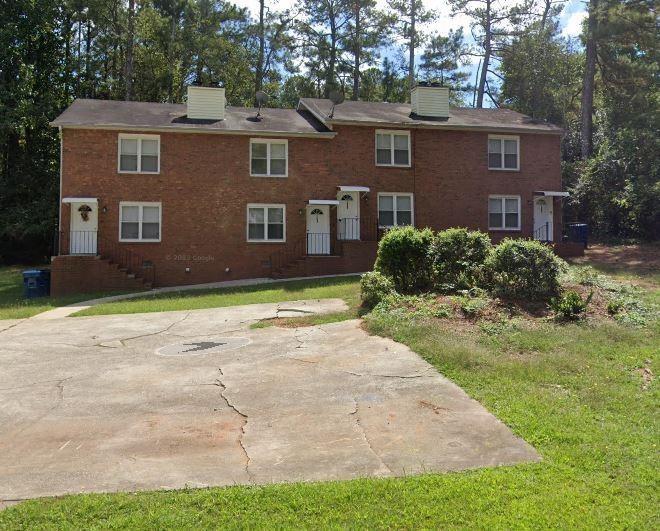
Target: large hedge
[(458, 257), (403, 255)]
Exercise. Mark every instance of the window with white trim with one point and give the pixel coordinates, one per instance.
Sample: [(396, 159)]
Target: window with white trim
[(266, 223), (392, 148), (503, 152), (269, 158), (139, 222), (139, 153), (395, 210), (504, 212)]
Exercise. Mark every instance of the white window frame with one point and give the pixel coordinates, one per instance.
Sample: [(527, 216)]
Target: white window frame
[(269, 142), (396, 194), (142, 204), (265, 206), (502, 138), (139, 138), (392, 132), (503, 198)]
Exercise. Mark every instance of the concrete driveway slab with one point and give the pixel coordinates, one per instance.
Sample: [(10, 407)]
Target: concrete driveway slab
[(92, 404)]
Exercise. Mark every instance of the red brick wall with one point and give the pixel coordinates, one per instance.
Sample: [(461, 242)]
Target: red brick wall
[(204, 186)]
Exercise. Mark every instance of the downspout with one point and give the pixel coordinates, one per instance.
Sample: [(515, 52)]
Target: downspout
[(59, 207)]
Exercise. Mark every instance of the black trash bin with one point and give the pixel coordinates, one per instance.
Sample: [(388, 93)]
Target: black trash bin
[(36, 283), (578, 232)]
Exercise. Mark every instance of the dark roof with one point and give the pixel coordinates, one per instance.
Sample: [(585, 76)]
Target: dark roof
[(139, 115), (399, 114)]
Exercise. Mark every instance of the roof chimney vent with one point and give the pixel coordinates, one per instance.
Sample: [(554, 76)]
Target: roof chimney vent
[(430, 100), (206, 103)]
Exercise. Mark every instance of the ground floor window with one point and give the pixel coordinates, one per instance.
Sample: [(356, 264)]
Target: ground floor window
[(504, 212), (139, 222), (395, 209), (266, 223)]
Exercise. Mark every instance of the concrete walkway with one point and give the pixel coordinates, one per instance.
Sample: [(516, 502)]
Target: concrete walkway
[(198, 398), (65, 311)]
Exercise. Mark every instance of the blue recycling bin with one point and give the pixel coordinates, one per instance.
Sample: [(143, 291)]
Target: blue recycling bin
[(578, 232), (36, 283)]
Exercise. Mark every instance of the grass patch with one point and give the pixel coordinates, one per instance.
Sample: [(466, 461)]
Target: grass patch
[(14, 306), (325, 288)]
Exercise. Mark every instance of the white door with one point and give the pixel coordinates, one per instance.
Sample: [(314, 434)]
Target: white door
[(348, 215), (318, 229), (84, 228), (543, 219)]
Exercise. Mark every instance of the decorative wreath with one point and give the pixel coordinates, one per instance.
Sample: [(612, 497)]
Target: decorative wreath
[(84, 212)]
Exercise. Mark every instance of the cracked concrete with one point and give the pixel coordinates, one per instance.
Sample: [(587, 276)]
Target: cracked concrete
[(86, 404)]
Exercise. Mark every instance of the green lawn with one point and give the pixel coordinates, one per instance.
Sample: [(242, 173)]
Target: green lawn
[(576, 392), (336, 287)]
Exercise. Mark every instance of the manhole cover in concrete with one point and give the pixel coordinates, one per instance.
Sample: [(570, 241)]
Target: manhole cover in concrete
[(204, 346)]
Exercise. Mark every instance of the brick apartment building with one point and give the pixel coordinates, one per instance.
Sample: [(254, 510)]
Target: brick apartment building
[(170, 194)]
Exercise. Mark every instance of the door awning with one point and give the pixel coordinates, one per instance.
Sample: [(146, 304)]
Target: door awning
[(552, 194), (353, 188), (80, 200), (323, 202)]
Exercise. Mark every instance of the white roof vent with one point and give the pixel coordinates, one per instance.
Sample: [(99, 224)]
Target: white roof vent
[(430, 100), (206, 103)]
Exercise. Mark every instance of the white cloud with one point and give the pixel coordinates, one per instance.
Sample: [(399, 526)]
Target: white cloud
[(573, 23)]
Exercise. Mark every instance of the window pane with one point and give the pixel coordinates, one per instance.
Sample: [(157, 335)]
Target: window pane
[(400, 157), (383, 141), (275, 231), (495, 206), (150, 147), (256, 232), (403, 202), (401, 142), (277, 151), (130, 213), (129, 231), (150, 214), (277, 167), (149, 163), (383, 156), (256, 215), (259, 151), (386, 218), (494, 160), (511, 161), (495, 220), (128, 163), (510, 147), (511, 221), (403, 217), (511, 205), (275, 215), (258, 167), (494, 146), (129, 146), (150, 231), (386, 202)]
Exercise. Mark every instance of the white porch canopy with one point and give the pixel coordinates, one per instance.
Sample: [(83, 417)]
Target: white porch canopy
[(552, 194), (353, 188), (323, 202), (80, 200)]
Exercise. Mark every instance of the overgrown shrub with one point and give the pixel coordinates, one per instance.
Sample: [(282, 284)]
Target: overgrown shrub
[(458, 257), (523, 268), (570, 306), (374, 287), (403, 255)]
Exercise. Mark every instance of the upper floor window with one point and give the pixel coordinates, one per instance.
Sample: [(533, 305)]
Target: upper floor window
[(266, 223), (139, 153), (268, 158), (139, 222), (392, 148), (504, 212), (503, 152), (395, 210)]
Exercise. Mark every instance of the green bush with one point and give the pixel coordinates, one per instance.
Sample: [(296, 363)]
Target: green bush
[(374, 287), (614, 307), (458, 257), (403, 255), (523, 268), (570, 306)]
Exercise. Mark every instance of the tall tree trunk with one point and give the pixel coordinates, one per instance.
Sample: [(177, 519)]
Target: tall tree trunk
[(332, 62), (488, 37), (356, 52), (259, 71), (586, 126), (170, 58), (130, 38), (411, 45), (90, 87)]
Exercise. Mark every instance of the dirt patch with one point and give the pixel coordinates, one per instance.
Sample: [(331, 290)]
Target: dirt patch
[(646, 375), (640, 259)]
